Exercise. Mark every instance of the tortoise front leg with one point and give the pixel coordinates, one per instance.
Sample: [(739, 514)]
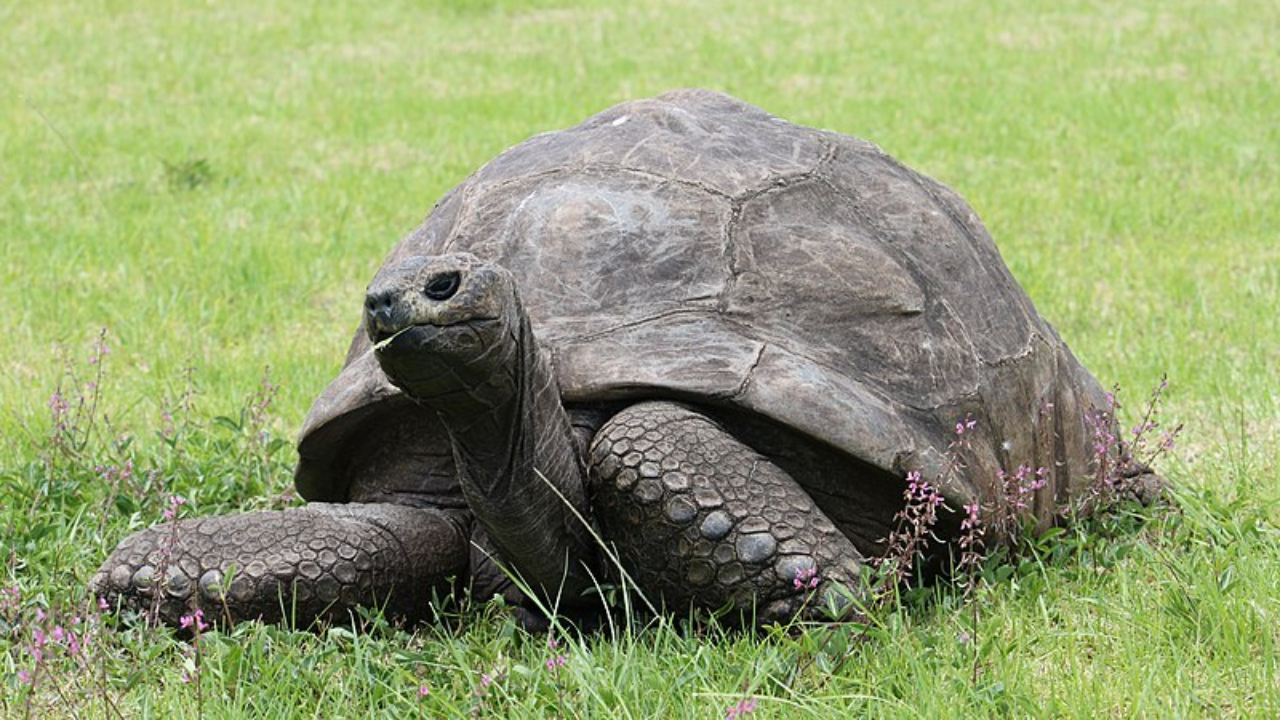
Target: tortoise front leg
[(301, 564), (701, 519)]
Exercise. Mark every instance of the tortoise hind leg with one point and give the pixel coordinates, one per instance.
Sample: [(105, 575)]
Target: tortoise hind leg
[(316, 561), (700, 518)]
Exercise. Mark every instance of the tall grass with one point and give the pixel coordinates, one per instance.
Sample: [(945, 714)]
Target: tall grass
[(214, 183)]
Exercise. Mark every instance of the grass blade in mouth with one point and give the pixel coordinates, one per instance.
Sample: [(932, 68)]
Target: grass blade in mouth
[(386, 341)]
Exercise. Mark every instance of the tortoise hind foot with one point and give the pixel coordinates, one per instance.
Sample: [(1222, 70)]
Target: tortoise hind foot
[(700, 518), (301, 564)]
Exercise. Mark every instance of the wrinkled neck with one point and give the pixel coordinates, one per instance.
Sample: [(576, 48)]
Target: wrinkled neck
[(509, 429), (520, 471)]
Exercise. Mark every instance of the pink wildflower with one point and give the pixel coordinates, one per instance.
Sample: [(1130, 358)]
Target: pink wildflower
[(742, 707), (175, 502), (195, 619), (806, 579), (557, 661)]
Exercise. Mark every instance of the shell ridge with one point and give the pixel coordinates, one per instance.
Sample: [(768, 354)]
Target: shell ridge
[(628, 325), (735, 249)]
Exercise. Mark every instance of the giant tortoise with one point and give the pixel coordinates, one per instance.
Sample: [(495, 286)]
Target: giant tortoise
[(709, 340)]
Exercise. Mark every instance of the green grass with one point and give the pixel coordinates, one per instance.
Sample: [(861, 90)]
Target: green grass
[(216, 182)]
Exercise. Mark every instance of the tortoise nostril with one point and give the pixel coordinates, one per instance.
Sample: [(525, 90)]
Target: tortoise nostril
[(379, 309), (442, 286), (379, 303)]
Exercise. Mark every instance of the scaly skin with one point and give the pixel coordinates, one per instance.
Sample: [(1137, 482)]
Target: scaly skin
[(701, 519), (450, 331), (317, 561)]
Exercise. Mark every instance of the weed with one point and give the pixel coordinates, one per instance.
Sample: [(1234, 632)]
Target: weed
[(908, 542), (259, 454), (480, 696), (69, 660), (65, 656), (1016, 491), (188, 174), (972, 553), (740, 709), (74, 408), (554, 665), (1123, 464), (191, 673), (160, 577)]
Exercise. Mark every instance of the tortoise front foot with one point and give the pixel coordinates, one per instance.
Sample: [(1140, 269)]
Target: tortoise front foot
[(300, 564), (702, 519)]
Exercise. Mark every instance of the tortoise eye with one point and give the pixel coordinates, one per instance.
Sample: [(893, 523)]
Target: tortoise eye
[(443, 286)]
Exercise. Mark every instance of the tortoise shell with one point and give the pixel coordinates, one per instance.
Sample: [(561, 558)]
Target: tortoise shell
[(694, 246)]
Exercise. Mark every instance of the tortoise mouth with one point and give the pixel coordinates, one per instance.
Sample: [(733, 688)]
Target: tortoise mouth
[(421, 337), (429, 361), (418, 358)]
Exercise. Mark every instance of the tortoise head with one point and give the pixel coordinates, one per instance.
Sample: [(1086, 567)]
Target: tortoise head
[(446, 328)]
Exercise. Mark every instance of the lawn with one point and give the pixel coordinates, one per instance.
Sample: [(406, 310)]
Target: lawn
[(206, 188)]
